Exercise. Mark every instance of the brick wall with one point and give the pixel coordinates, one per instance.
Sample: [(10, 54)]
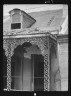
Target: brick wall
[(63, 63)]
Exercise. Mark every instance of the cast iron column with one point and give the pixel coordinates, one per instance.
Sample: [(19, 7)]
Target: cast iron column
[(9, 67)]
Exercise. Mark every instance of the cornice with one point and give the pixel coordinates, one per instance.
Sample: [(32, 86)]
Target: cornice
[(62, 38), (32, 33)]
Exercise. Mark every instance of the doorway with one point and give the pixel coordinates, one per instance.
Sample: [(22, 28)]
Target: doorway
[(27, 69), (38, 67)]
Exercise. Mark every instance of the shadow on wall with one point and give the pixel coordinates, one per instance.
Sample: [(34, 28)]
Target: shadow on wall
[(55, 74)]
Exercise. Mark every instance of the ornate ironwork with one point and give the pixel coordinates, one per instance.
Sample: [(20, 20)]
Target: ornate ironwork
[(42, 42), (7, 48), (9, 72)]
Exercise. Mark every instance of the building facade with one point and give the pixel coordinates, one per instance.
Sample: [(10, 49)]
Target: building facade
[(33, 48)]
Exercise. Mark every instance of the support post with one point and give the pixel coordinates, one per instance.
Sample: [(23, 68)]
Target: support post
[(45, 53), (9, 68)]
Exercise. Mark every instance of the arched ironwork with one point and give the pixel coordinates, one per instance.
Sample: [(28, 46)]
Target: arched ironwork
[(42, 42)]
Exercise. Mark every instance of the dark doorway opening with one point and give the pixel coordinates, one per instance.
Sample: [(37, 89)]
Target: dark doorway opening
[(38, 63), (27, 69)]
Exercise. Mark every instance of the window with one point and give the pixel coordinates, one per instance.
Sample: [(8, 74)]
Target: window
[(15, 25), (16, 21), (20, 19)]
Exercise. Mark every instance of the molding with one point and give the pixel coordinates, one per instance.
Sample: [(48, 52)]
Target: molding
[(62, 38), (28, 33), (59, 36), (62, 41)]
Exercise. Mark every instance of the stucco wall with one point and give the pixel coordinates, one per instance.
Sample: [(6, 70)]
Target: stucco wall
[(63, 63), (54, 67)]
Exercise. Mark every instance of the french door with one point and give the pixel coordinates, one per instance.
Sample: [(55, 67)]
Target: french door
[(38, 71), (27, 73)]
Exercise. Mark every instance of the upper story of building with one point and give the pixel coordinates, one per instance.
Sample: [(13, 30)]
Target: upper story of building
[(19, 22)]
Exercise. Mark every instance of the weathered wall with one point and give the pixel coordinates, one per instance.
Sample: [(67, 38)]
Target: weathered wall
[(53, 68), (63, 63)]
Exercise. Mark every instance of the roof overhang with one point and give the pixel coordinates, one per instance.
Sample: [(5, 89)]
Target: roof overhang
[(42, 34)]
